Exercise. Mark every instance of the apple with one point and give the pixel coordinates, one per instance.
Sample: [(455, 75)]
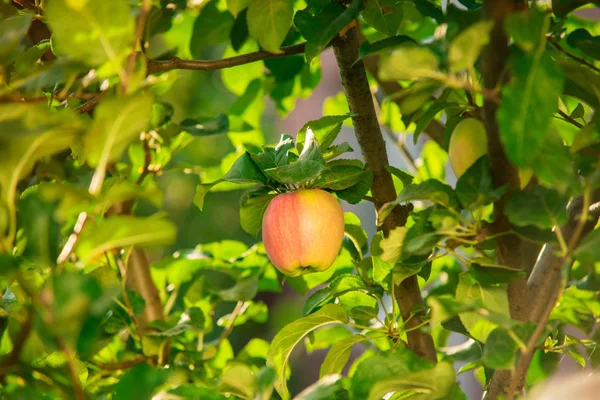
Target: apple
[(303, 231), (468, 143)]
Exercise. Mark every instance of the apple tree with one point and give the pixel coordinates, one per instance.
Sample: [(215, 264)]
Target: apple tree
[(130, 130)]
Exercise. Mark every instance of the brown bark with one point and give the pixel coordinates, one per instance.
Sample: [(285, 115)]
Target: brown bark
[(368, 134)]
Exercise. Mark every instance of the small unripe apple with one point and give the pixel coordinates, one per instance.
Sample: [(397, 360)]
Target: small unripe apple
[(303, 231), (468, 143)]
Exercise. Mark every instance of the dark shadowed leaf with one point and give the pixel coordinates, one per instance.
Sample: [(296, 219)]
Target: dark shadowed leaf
[(538, 206), (206, 126), (321, 28), (475, 189), (12, 31), (367, 49), (140, 382)]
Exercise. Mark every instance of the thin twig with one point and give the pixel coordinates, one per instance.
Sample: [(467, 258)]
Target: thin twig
[(572, 56), (126, 364), (239, 309), (155, 66), (72, 240), (13, 357), (72, 368), (569, 119), (89, 105), (147, 159), (147, 5)]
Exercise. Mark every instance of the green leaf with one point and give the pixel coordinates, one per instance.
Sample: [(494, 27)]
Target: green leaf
[(581, 82), (325, 130), (206, 126), (140, 382), (492, 298), (429, 115), (404, 176), (342, 284), (538, 206), (92, 32), (269, 22), (321, 28), (360, 306), (245, 170), (588, 251), (583, 40), (284, 342), (275, 157), (337, 150), (390, 247), (191, 320), (430, 190), (308, 166), (528, 105), (27, 61), (431, 384), (338, 177), (386, 21), (326, 337), (252, 211), (122, 231), (409, 62), (355, 237), (338, 356), (117, 122), (238, 379), (500, 349), (381, 271), (37, 218), (28, 133), (236, 6), (466, 47), (527, 28), (326, 388), (12, 31), (368, 49), (475, 188), (383, 366), (355, 194)]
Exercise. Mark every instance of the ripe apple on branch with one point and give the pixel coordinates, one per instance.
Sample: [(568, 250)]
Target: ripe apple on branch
[(291, 195)]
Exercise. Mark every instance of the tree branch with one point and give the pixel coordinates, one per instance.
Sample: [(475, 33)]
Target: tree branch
[(509, 248), (139, 31), (155, 66), (545, 282), (370, 139), (435, 130), (571, 55)]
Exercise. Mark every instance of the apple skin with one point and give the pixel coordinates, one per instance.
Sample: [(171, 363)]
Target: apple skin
[(303, 231), (468, 143)]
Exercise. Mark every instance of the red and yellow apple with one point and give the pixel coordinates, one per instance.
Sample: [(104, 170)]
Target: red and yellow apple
[(468, 143), (303, 231)]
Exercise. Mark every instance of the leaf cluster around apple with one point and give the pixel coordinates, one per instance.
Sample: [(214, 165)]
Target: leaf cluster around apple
[(303, 226)]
